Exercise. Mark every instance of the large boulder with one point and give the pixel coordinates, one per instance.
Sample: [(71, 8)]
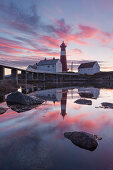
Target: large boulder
[(83, 101), (20, 98), (83, 140)]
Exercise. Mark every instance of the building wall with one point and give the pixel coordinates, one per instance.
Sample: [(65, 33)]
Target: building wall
[(90, 71), (96, 68), (49, 68), (58, 66)]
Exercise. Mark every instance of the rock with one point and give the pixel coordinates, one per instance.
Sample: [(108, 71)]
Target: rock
[(83, 140), (83, 101), (21, 108), (23, 99), (107, 105), (3, 110)]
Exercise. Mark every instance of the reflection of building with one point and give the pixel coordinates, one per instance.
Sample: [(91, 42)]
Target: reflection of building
[(55, 95), (63, 103), (28, 88), (89, 68), (50, 94), (89, 92)]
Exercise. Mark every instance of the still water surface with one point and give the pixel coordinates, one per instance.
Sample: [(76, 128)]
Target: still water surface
[(34, 139)]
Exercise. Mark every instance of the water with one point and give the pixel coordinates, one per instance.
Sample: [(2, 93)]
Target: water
[(34, 140)]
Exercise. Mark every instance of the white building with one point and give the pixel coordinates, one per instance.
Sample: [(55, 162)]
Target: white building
[(52, 66), (32, 68), (89, 68)]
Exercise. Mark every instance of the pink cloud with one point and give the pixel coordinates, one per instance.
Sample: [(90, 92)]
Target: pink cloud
[(76, 51), (84, 33), (10, 46), (50, 41), (10, 50), (74, 38), (104, 37), (87, 31)]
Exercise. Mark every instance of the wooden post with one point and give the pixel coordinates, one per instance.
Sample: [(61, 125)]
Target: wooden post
[(43, 76), (23, 75), (14, 74), (29, 76), (2, 73), (35, 76)]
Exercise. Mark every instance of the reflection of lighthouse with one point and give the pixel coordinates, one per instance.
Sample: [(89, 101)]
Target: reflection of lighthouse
[(63, 102), (63, 57)]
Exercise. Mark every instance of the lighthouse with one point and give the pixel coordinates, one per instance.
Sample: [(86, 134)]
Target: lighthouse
[(63, 103), (63, 57)]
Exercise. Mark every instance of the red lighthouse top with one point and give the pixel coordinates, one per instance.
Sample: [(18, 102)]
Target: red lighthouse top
[(63, 45)]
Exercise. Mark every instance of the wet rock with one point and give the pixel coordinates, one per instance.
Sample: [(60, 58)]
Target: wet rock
[(21, 108), (23, 99), (3, 110), (83, 101), (107, 105), (83, 140)]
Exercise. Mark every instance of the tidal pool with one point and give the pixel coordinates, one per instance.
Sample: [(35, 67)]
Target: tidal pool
[(34, 139)]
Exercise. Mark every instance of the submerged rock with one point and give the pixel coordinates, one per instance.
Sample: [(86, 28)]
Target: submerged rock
[(83, 140), (107, 105), (83, 101), (3, 110), (23, 99)]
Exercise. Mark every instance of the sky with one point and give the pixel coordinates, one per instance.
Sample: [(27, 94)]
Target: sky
[(31, 30)]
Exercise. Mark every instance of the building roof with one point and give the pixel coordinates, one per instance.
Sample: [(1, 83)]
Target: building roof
[(33, 66), (87, 65), (47, 62)]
